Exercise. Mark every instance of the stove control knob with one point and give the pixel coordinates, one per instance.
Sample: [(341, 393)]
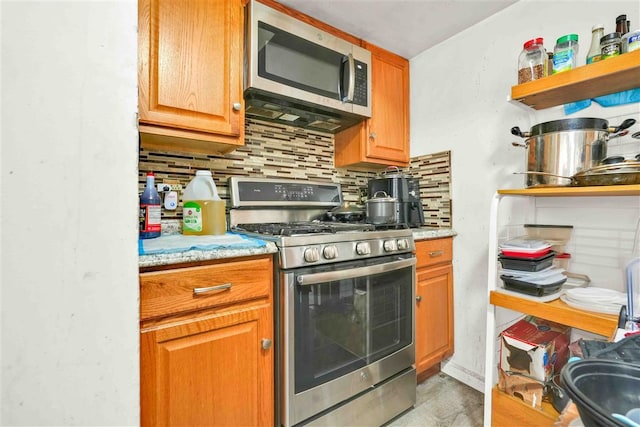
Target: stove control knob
[(330, 252), (311, 255), (363, 248), (390, 245), (403, 244)]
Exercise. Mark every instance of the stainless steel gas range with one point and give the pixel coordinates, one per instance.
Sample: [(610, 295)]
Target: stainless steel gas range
[(344, 305)]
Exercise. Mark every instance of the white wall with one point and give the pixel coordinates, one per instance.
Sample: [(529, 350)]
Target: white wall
[(68, 221), (459, 102)]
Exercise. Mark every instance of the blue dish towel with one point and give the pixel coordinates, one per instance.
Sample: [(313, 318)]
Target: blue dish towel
[(180, 243), (620, 98)]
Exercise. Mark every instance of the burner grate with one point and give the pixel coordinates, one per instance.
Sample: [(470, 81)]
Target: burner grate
[(307, 227)]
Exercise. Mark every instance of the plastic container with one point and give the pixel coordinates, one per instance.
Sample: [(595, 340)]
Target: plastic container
[(525, 254), (150, 210), (203, 211), (562, 260), (531, 61), (631, 41), (594, 54), (600, 388), (533, 289), (565, 53), (549, 232), (527, 264), (610, 45)]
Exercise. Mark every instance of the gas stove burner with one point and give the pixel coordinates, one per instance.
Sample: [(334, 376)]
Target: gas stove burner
[(286, 229), (379, 227), (311, 227)]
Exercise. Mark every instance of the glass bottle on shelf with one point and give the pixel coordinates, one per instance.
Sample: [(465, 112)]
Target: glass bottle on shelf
[(621, 24), (594, 54)]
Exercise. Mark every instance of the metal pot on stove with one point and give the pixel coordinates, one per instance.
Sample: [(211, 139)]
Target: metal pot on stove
[(381, 208), (562, 148)]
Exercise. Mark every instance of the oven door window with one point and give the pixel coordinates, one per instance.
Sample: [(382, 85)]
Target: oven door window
[(345, 324)]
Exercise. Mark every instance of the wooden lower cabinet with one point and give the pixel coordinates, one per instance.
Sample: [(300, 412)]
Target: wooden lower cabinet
[(434, 305), (213, 366)]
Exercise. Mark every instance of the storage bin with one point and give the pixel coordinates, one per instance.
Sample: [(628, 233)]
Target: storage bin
[(555, 233), (533, 289), (562, 260), (600, 388), (527, 264)]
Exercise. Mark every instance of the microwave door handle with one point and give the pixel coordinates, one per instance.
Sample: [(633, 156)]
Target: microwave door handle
[(352, 273), (352, 79)]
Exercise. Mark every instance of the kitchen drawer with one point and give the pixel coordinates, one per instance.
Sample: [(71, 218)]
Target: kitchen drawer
[(173, 291), (431, 252)]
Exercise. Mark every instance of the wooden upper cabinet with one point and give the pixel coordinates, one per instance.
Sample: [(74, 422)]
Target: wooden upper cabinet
[(382, 140), (190, 74)]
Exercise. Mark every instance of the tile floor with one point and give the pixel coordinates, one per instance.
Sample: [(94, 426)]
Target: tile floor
[(443, 401)]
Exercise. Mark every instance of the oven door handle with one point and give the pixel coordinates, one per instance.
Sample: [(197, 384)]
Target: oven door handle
[(352, 273)]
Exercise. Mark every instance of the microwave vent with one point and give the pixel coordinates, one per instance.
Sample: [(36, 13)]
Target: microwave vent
[(325, 125), (263, 112)]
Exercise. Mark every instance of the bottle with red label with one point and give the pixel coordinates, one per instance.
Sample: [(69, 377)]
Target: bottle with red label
[(150, 210)]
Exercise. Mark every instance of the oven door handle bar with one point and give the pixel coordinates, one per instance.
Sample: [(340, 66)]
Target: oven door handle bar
[(352, 273)]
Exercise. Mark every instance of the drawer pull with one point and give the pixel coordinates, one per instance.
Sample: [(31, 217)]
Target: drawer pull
[(199, 291), (435, 254), (418, 298)]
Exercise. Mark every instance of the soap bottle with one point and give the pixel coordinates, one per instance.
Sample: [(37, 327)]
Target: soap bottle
[(203, 212), (150, 210)]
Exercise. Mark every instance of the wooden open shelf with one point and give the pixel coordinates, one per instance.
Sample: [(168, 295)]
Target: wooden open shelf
[(558, 311), (609, 190), (589, 81), (511, 411)]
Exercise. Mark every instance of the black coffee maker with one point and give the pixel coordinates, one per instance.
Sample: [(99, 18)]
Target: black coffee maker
[(406, 190)]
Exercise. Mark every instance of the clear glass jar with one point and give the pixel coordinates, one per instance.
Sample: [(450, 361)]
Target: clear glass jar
[(531, 61), (565, 53), (610, 45)]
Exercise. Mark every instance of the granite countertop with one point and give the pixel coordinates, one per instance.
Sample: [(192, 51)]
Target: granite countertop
[(202, 255), (173, 228), (426, 233), (194, 255)]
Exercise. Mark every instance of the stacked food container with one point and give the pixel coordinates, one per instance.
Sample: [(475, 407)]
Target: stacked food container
[(528, 261)]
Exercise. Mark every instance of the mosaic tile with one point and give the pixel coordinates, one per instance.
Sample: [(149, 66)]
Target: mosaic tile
[(274, 150)]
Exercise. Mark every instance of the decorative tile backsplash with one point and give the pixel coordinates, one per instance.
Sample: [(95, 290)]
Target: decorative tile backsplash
[(278, 151)]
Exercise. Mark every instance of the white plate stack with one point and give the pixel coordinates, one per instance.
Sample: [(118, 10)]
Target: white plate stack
[(599, 300)]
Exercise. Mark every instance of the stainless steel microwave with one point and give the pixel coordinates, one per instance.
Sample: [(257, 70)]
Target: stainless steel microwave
[(301, 75)]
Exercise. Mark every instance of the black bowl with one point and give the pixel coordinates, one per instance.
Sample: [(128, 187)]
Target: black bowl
[(600, 388)]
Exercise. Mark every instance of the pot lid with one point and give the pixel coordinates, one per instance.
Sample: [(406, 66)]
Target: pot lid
[(348, 208), (625, 167), (393, 172), (569, 124), (381, 197)]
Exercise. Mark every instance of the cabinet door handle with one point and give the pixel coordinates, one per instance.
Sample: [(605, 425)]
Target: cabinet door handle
[(200, 291), (435, 254), (418, 298), (266, 343), (372, 135), (237, 106)]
